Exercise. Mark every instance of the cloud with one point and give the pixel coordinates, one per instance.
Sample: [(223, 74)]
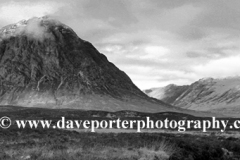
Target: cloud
[(155, 42), (36, 29), (117, 13), (14, 11), (33, 28), (220, 14), (220, 68), (154, 52)]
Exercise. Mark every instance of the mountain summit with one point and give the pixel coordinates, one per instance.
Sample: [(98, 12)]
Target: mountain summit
[(44, 63)]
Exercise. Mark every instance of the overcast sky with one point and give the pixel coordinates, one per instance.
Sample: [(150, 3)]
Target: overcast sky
[(156, 42)]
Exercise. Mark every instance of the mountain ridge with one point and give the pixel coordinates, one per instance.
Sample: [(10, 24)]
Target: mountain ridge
[(44, 63), (207, 94)]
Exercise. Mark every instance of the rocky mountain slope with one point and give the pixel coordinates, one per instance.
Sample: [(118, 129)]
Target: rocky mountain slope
[(43, 63), (167, 94), (216, 95)]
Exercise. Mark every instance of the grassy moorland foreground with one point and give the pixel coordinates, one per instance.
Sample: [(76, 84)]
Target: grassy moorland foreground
[(80, 144), (71, 145)]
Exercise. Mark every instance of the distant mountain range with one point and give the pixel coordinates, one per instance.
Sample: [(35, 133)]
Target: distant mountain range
[(215, 95)]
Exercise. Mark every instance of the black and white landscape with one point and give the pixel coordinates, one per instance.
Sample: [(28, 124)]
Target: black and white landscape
[(214, 95), (122, 59)]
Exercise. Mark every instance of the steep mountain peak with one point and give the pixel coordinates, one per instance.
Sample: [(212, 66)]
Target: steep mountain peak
[(37, 27), (44, 63), (170, 86), (206, 80)]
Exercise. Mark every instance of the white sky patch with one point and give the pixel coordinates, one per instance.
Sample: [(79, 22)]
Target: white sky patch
[(158, 77), (112, 48), (154, 83), (155, 52), (146, 84), (220, 68)]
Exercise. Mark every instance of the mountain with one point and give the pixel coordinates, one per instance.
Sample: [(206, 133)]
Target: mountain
[(215, 95), (167, 94), (43, 63)]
